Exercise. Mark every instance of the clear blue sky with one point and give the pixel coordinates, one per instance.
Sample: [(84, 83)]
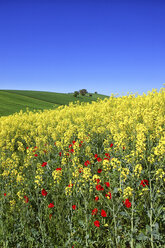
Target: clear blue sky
[(108, 46)]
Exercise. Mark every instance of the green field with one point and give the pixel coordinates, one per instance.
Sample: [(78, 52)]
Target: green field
[(12, 101)]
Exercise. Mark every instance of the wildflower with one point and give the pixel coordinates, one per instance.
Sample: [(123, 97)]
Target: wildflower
[(96, 198), (99, 159), (107, 155), (103, 213), (27, 147), (73, 142), (109, 195), (106, 159), (87, 162), (99, 170), (60, 154), (96, 155), (71, 150), (44, 192), (127, 203), (35, 155), (4, 194), (107, 184), (70, 145), (97, 180), (99, 187), (26, 199), (111, 145), (58, 169), (74, 207), (51, 205), (144, 182), (44, 164), (97, 223), (94, 211)]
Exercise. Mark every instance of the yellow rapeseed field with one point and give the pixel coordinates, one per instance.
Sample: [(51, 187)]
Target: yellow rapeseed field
[(80, 148)]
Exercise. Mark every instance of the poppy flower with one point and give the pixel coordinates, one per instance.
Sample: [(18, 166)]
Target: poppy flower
[(35, 155), (74, 207), (51, 205), (96, 198), (144, 182), (26, 199), (44, 192), (70, 185), (107, 184), (99, 187), (58, 169), (103, 213), (60, 154), (99, 170), (73, 142), (44, 164), (97, 180), (27, 147), (70, 145), (107, 155), (106, 159), (127, 203), (99, 159), (96, 155), (71, 150), (111, 145), (94, 211), (109, 195), (87, 162), (97, 223), (4, 194)]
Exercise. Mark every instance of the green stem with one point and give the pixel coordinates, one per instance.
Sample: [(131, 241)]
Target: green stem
[(114, 219), (132, 226), (151, 213)]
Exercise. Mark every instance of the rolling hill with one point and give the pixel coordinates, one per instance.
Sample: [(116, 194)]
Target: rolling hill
[(12, 101)]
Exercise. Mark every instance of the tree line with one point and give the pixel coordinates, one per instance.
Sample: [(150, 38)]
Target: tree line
[(82, 92)]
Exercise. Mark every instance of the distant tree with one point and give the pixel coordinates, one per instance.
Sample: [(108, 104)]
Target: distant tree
[(83, 92), (95, 92), (90, 94), (76, 93)]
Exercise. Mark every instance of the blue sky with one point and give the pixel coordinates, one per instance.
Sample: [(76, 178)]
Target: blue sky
[(108, 46)]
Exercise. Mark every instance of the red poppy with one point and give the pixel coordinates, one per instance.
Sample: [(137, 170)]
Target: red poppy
[(99, 187), (97, 223), (94, 211), (70, 145), (144, 182), (51, 205), (58, 169), (96, 198), (87, 162), (103, 213), (123, 147), (4, 194), (26, 199), (96, 155), (44, 193), (35, 155), (97, 180), (71, 150), (74, 207), (107, 154), (27, 147), (99, 170), (111, 145), (44, 164), (73, 142), (60, 154), (127, 203), (107, 184), (109, 195), (99, 159), (70, 185)]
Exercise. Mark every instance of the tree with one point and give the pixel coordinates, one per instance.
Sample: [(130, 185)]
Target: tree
[(95, 92), (76, 93), (90, 94), (83, 92)]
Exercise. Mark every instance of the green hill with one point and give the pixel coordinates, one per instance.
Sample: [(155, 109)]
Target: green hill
[(12, 101)]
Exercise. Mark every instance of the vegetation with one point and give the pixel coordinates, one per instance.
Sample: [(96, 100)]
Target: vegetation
[(85, 175), (15, 100)]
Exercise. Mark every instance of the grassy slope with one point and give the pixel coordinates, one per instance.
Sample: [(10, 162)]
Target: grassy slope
[(12, 101)]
